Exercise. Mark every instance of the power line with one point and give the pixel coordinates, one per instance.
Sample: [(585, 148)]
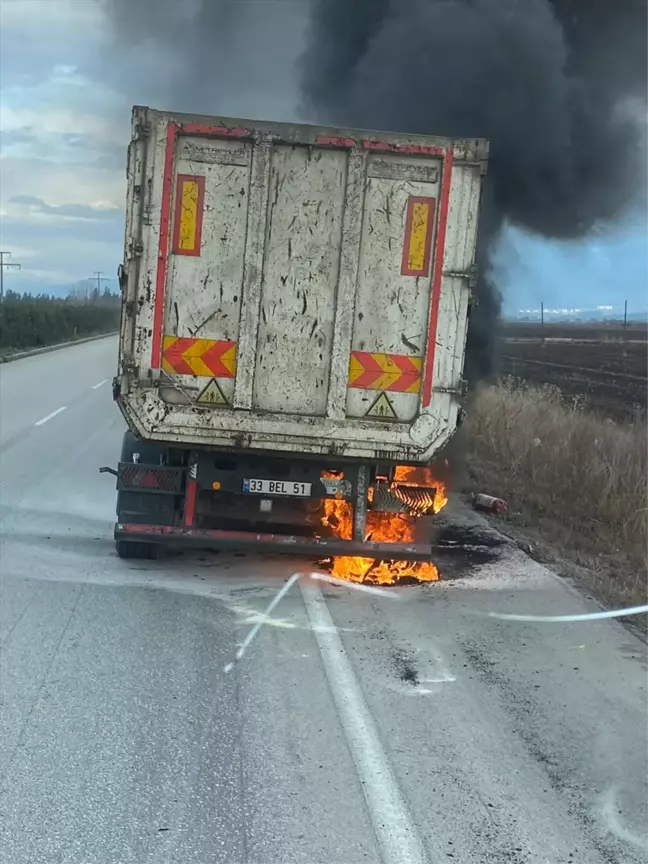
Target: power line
[(98, 277), (4, 264)]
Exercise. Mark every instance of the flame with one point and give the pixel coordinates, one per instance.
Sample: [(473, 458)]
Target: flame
[(386, 527), (338, 516), (408, 475)]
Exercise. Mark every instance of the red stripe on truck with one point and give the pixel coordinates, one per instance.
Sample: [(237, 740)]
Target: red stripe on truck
[(333, 141), (163, 246), (173, 130), (220, 131), (411, 149), (190, 502), (437, 275)]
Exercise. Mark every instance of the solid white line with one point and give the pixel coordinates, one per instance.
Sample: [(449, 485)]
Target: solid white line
[(100, 384), (588, 616), (49, 416), (392, 822)]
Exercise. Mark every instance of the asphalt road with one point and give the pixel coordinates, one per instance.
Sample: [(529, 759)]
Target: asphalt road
[(356, 728)]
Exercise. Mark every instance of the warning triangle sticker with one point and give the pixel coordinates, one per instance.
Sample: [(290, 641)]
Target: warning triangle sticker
[(382, 407), (211, 395)]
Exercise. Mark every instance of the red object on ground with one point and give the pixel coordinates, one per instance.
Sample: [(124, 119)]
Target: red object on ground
[(489, 503)]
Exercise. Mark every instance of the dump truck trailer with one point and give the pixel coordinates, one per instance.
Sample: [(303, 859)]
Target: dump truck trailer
[(295, 301)]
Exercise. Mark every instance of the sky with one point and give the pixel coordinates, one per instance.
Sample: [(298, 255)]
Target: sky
[(65, 101)]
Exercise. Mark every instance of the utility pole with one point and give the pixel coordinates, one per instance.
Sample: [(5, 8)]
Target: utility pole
[(99, 278), (4, 264), (542, 322)]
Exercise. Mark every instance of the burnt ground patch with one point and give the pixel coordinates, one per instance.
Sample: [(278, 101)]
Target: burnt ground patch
[(458, 550), (404, 664)]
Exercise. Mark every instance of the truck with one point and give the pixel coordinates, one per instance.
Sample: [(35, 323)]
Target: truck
[(295, 301)]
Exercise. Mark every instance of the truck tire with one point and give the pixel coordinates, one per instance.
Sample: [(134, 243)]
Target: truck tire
[(130, 505), (132, 549), (149, 452)]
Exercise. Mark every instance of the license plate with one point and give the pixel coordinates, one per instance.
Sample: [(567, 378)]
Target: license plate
[(277, 487)]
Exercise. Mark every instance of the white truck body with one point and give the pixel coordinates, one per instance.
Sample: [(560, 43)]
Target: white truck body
[(294, 288)]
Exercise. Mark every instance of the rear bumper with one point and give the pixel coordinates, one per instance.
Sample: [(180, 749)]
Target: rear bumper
[(309, 546)]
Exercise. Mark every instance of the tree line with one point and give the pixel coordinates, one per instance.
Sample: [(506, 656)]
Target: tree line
[(28, 321)]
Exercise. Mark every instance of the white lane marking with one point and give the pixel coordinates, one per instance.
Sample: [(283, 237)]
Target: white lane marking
[(588, 616), (262, 619), (368, 589), (392, 822), (100, 384), (49, 416), (249, 615)]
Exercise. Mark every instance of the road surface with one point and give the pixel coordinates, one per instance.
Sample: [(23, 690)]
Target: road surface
[(356, 728)]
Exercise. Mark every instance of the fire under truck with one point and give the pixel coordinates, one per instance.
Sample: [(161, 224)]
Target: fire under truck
[(295, 301)]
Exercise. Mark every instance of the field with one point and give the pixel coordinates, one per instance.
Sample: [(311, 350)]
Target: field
[(599, 366), (575, 484)]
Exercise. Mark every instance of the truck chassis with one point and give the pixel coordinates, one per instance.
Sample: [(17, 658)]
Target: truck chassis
[(198, 497)]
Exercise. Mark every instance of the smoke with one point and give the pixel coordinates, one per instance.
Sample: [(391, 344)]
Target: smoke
[(559, 87), (554, 84), (228, 57)]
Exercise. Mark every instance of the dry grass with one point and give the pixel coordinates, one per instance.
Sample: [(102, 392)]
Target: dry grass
[(577, 480)]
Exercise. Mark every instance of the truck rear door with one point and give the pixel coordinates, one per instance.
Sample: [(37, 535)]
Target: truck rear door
[(299, 275)]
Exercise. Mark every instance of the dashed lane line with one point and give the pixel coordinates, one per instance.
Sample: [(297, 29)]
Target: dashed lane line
[(50, 416)]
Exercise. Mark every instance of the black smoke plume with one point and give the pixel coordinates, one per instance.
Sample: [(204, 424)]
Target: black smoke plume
[(556, 85), (228, 57)]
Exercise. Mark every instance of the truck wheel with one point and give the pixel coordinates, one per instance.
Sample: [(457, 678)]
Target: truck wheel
[(132, 549), (140, 507), (149, 451)]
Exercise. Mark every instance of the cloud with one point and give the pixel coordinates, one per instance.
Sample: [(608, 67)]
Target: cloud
[(70, 148), (61, 251), (62, 182), (59, 18), (63, 141), (68, 123), (41, 37), (16, 138), (37, 207), (228, 57)]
